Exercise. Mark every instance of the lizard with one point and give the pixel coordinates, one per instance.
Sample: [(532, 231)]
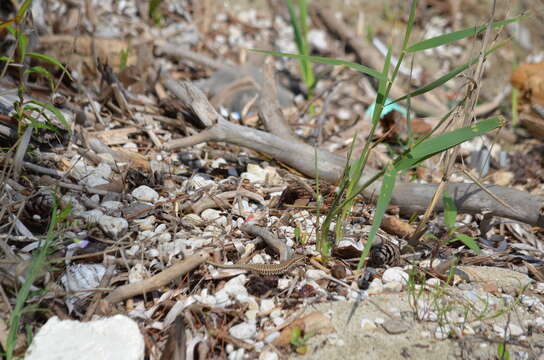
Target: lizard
[(264, 269)]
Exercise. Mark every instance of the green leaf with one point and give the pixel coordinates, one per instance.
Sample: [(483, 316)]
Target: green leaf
[(443, 79), (502, 353), (22, 10), (450, 211), (6, 59), (468, 241), (437, 144), (55, 111), (388, 184), (39, 70), (50, 60), (23, 43), (455, 36), (324, 60)]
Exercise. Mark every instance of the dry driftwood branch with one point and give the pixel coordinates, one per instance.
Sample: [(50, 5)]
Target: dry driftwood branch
[(155, 282), (410, 197)]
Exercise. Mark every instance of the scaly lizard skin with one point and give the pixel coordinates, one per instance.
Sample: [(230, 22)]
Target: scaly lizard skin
[(264, 269)]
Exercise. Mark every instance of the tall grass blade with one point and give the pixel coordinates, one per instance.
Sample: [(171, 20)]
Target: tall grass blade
[(456, 36), (324, 60)]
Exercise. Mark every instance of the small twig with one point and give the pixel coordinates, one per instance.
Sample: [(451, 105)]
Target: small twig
[(156, 281), (270, 239)]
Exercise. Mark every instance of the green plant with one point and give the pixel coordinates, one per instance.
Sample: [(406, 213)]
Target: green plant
[(155, 11), (417, 152), (300, 32), (300, 342), (24, 108), (37, 265), (450, 214)]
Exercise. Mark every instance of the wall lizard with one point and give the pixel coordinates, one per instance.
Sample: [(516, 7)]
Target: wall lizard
[(264, 269)]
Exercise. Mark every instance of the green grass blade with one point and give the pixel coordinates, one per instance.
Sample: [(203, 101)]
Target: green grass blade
[(455, 36), (468, 241), (443, 142), (55, 111), (450, 211), (50, 60), (388, 184), (324, 60), (22, 10), (442, 80)]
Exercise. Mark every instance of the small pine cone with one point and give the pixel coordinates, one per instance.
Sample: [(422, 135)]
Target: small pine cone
[(385, 254)]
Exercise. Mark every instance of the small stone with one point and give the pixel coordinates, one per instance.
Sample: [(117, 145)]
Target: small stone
[(251, 315), (442, 332), (432, 282), (243, 331), (271, 337), (113, 226), (266, 305), (315, 275), (268, 355), (376, 287), (145, 193), (112, 205), (395, 274), (395, 326), (210, 215), (92, 216)]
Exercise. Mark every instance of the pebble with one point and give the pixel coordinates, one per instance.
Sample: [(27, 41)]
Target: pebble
[(271, 337), (395, 274), (145, 193), (268, 355), (266, 305), (375, 287), (92, 216), (210, 215), (114, 227), (243, 331), (315, 274), (511, 330), (442, 332)]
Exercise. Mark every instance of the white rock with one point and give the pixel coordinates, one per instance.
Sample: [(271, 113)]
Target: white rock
[(271, 337), (92, 216), (368, 325), (112, 205), (318, 39), (237, 355), (442, 332), (266, 305), (113, 226), (432, 282), (283, 283), (69, 339), (161, 228), (243, 331), (315, 274), (395, 274), (251, 315), (379, 321), (468, 331), (210, 214), (507, 332), (164, 237), (375, 287), (145, 193), (94, 180), (268, 355)]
